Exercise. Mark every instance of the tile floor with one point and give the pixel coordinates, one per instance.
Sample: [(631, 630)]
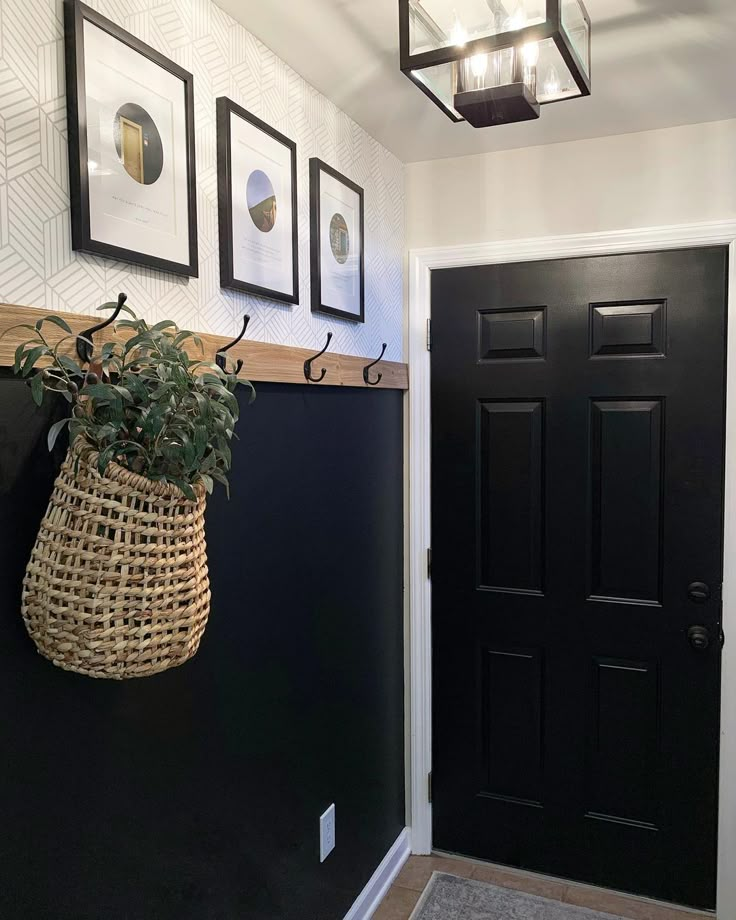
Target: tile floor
[(411, 881)]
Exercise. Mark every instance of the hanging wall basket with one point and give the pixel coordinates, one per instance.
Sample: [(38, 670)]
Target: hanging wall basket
[(117, 583)]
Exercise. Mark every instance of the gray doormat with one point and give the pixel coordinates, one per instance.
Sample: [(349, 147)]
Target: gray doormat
[(450, 898)]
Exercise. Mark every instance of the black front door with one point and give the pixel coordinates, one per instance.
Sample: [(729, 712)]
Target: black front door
[(577, 505)]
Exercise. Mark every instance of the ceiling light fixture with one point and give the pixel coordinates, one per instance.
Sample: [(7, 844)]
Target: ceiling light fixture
[(492, 62)]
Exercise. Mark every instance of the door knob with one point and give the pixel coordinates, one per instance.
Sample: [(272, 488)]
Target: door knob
[(698, 592), (699, 638)]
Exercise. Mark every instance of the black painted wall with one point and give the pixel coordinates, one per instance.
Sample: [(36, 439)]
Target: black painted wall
[(195, 794)]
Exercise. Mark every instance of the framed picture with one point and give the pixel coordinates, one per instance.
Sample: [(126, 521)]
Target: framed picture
[(131, 146), (256, 182), (337, 246)]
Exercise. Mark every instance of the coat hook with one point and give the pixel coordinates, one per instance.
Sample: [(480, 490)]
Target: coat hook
[(308, 363), (84, 349), (220, 356), (366, 369)]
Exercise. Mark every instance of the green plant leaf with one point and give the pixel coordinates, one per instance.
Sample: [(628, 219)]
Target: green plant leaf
[(113, 305), (220, 477), (54, 432), (163, 391), (56, 320), (185, 487), (100, 391), (19, 326), (252, 395), (122, 391), (138, 340), (104, 432), (37, 389), (182, 336), (209, 461), (19, 352), (156, 410), (200, 440), (31, 357), (104, 459), (113, 450), (112, 365), (188, 450), (70, 365)]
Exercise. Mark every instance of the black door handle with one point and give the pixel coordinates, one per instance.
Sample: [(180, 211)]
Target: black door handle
[(698, 592), (699, 638)]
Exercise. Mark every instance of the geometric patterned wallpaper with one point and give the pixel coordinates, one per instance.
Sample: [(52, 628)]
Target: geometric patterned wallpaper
[(37, 265)]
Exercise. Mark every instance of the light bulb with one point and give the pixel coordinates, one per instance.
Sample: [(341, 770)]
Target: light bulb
[(551, 85), (479, 65), (458, 36), (530, 52)]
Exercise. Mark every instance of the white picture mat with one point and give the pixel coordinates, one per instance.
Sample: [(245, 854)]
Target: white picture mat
[(151, 219), (265, 259), (340, 282)]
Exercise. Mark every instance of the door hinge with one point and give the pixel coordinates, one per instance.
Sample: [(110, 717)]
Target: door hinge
[(429, 787), (429, 335), (429, 562)]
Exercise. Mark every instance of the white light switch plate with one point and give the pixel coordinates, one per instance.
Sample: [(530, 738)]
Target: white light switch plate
[(326, 833)]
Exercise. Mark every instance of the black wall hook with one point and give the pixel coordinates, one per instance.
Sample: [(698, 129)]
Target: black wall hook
[(366, 369), (308, 363), (220, 356), (84, 349)]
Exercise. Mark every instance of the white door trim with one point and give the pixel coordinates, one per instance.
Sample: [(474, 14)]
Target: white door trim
[(421, 263)]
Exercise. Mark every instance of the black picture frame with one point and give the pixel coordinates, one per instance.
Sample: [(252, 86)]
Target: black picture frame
[(75, 15), (316, 168), (225, 108)]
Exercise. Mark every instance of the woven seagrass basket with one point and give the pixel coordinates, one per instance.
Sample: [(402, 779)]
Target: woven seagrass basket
[(117, 584)]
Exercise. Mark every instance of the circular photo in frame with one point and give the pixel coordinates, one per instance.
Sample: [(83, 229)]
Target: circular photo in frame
[(261, 200), (339, 238), (138, 143)]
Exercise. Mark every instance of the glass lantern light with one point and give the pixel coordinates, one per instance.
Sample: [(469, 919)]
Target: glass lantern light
[(492, 62)]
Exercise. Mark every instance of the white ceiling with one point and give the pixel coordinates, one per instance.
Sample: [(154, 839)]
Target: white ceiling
[(656, 63)]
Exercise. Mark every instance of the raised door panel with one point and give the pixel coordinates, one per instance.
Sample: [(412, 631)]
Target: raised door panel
[(626, 500), (511, 334), (621, 330), (510, 512), (623, 781), (512, 725)]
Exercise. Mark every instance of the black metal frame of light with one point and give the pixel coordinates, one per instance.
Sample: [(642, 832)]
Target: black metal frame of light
[(551, 28)]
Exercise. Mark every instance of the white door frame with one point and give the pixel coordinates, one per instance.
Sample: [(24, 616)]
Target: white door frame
[(421, 263)]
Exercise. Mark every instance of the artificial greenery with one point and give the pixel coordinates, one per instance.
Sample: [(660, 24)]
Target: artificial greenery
[(149, 407)]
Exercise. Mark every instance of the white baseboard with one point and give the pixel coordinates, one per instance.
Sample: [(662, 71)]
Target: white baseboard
[(374, 892)]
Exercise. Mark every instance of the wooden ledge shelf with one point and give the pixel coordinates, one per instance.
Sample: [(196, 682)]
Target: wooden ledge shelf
[(261, 362)]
